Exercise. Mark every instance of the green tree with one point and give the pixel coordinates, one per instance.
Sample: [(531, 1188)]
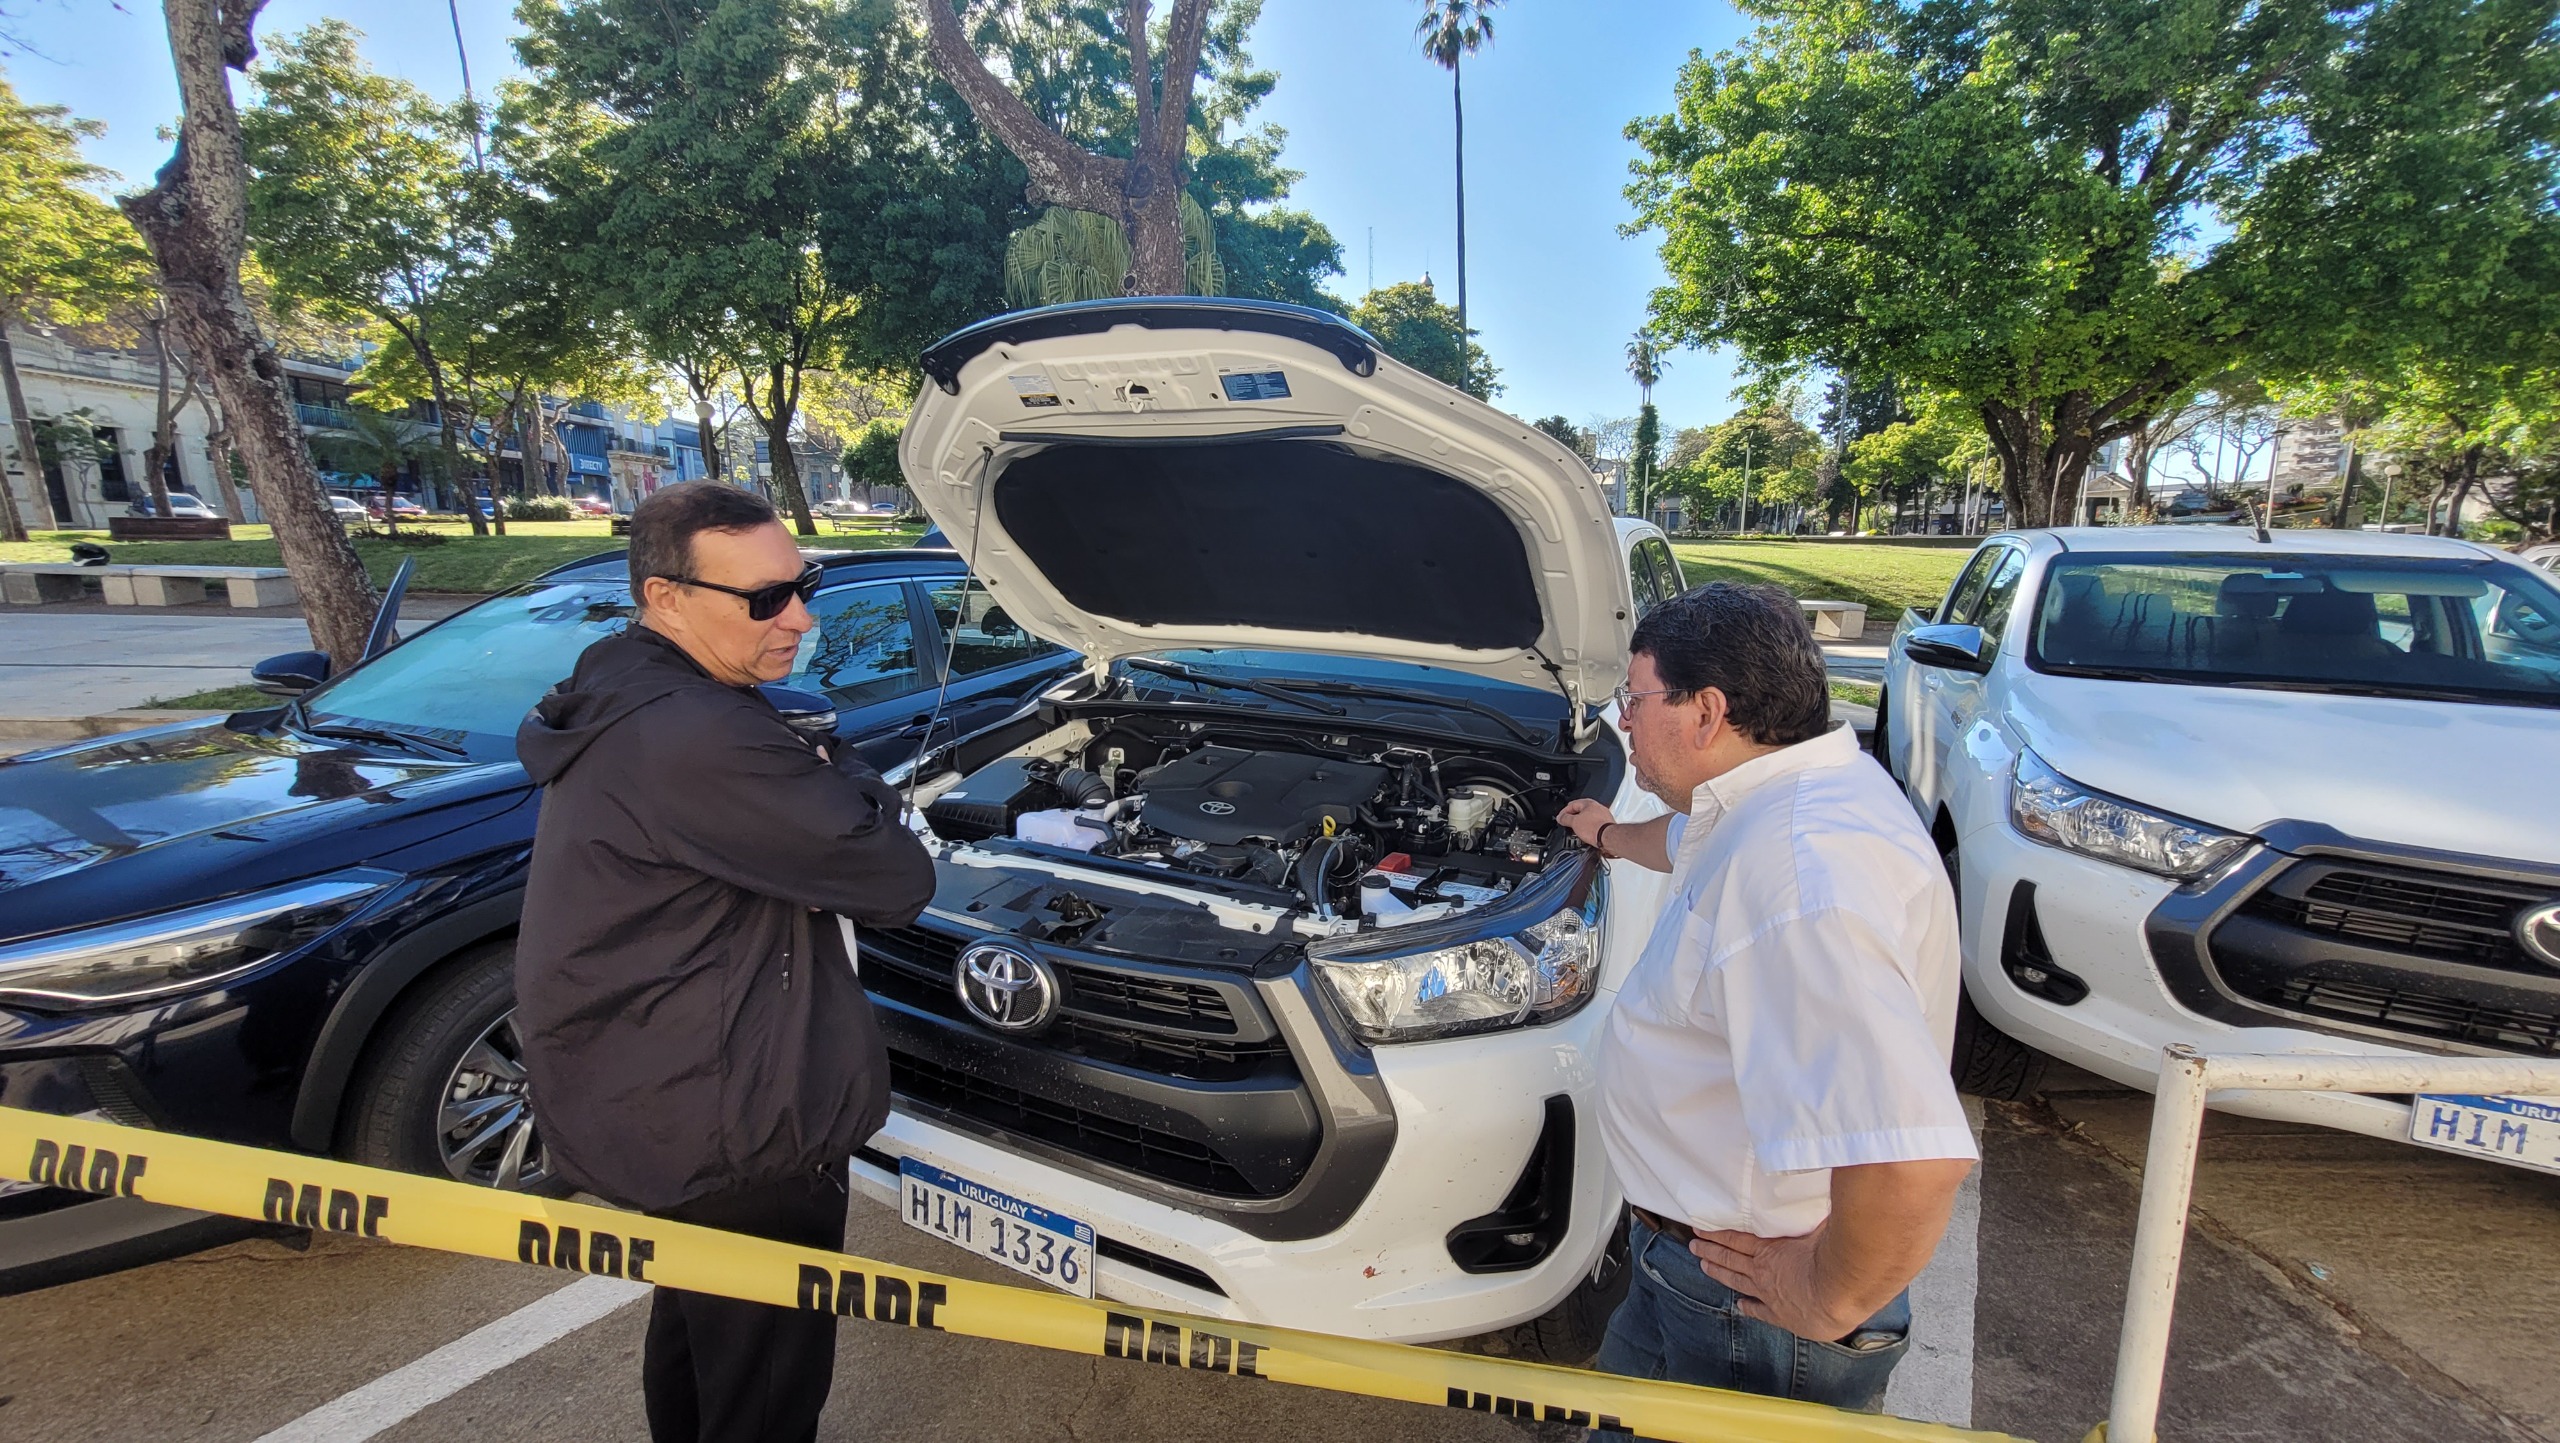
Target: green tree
[(872, 460), (1934, 444), (382, 445), (1140, 188), (1409, 321), (685, 157), (1450, 31), (1572, 437), (2065, 214), (1648, 450), (1757, 458), (195, 219), (366, 207), (69, 258)]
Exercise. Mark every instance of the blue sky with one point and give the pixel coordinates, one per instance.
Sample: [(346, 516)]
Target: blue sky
[(1552, 288)]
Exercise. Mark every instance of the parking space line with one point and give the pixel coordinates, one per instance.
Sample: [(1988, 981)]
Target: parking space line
[(404, 1392), (1935, 1381)]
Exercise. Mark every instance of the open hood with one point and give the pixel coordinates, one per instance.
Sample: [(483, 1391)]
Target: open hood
[(1131, 476)]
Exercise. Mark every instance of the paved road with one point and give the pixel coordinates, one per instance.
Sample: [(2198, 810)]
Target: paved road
[(89, 661), (2336, 1288)]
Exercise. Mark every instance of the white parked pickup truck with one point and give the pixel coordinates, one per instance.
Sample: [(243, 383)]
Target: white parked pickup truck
[(2258, 792)]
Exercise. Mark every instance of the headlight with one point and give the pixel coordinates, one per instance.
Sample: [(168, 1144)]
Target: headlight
[(175, 951), (2058, 811), (1467, 983)]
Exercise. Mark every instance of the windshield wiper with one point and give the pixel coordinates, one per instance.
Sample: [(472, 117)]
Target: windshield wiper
[(2386, 690), (350, 732), (1494, 714), (1271, 689)]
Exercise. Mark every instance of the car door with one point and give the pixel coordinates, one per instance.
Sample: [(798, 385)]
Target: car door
[(1907, 715), (1644, 584), (993, 663), (863, 654), (1951, 700), (1653, 554)]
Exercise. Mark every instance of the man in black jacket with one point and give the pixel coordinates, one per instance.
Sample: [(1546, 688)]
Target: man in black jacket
[(694, 1033)]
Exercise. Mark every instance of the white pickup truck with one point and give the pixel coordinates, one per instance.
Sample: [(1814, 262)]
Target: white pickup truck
[(2262, 792)]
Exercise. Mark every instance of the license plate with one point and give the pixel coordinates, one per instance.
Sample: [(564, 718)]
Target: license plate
[(1030, 1240), (2524, 1131)]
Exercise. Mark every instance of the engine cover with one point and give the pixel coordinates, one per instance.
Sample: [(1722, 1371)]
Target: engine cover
[(1225, 795)]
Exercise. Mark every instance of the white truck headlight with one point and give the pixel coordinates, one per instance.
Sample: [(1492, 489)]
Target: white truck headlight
[(2059, 812), (1431, 980), (170, 952)]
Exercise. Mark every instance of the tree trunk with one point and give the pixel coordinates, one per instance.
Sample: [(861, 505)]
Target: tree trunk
[(2039, 468), (450, 441), (30, 456), (1152, 216), (217, 454), (155, 457), (1458, 102), (195, 221), (777, 416)]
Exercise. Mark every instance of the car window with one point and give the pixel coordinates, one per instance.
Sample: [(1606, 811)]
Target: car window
[(978, 633), (473, 677), (863, 648), (1991, 612), (1958, 609), (2442, 628), (1642, 579), (1665, 566)]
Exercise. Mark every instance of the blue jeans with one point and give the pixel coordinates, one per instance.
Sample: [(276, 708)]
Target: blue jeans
[(1680, 1325)]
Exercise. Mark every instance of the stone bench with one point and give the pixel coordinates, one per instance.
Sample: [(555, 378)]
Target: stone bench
[(1836, 620), (36, 583)]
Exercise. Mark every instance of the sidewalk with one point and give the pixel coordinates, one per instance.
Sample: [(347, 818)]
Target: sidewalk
[(66, 662)]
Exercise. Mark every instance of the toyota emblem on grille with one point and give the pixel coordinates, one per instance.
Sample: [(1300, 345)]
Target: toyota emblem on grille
[(2539, 930), (1218, 809), (1005, 989)]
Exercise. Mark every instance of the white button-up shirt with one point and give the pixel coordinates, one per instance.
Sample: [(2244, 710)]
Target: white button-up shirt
[(1794, 1008)]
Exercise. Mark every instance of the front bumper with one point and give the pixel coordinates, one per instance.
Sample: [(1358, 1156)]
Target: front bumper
[(1469, 1113), (2138, 944)]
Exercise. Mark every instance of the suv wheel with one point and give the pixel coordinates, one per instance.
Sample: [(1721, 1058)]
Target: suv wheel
[(1569, 1333), (1989, 1062), (443, 1089)]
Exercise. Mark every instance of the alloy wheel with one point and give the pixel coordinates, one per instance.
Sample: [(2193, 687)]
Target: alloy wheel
[(484, 1122)]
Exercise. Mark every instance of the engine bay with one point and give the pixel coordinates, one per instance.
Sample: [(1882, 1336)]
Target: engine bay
[(1354, 833)]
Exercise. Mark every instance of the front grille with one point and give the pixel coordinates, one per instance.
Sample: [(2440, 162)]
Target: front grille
[(1144, 1150), (915, 968), (2447, 1019), (2427, 914)]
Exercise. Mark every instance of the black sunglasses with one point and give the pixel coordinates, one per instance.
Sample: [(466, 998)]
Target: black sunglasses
[(764, 603)]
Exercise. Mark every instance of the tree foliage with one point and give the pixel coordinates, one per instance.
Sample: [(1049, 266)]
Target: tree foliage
[(1409, 321), (2063, 213)]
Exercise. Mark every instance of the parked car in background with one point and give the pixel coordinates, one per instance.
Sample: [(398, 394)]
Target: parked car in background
[(350, 510), (590, 506), (840, 508), (2289, 791), (294, 927), (181, 503), (2546, 556), (401, 506)]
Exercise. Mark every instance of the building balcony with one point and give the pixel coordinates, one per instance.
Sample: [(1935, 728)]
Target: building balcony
[(333, 418)]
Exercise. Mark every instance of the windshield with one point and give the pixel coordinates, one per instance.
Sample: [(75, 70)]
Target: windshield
[(474, 676), (2445, 628), (1540, 710)]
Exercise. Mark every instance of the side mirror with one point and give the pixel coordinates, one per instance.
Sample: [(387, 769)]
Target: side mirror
[(810, 713), (1955, 648), (291, 674)]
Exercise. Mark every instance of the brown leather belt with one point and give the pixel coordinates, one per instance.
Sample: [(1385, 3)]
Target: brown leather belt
[(1678, 1232)]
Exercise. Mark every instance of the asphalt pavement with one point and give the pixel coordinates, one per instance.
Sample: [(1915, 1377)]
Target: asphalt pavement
[(89, 659), (2335, 1288)]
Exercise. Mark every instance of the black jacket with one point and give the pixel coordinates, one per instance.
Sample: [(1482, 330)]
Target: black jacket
[(691, 1023)]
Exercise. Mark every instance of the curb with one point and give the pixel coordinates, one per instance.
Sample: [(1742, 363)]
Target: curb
[(81, 728)]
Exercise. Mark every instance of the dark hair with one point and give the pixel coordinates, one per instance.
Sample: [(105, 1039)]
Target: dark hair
[(664, 525), (1753, 644)]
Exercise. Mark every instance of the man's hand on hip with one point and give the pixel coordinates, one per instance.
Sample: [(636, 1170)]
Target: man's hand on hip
[(1886, 1219), (1778, 1281)]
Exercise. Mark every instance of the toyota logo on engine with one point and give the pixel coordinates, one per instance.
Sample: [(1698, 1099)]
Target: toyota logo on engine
[(1219, 809), (2539, 931), (1005, 989)]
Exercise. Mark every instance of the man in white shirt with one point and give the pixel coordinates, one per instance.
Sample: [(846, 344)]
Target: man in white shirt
[(1774, 1088)]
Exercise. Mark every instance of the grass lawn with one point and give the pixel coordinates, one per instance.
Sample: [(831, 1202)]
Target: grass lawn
[(1856, 693), (457, 561), (1885, 579), (221, 698)]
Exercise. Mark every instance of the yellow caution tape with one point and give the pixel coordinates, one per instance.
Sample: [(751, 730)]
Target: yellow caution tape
[(454, 1217)]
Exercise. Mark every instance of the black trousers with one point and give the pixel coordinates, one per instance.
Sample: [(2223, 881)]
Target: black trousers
[(716, 1370)]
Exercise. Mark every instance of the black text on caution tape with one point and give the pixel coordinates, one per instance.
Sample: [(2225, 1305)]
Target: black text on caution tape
[(81, 1169), (888, 1299)]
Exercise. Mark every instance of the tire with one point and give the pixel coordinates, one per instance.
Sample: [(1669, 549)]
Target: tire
[(1569, 1333), (442, 1089), (1988, 1062)]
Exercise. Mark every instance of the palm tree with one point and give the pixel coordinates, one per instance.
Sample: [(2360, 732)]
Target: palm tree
[(1645, 362), (1450, 30), (379, 444)]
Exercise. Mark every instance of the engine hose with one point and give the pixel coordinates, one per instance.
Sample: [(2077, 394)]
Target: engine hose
[(1314, 865)]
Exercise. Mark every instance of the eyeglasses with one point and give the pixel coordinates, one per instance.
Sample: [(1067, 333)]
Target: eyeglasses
[(1626, 699), (764, 603)]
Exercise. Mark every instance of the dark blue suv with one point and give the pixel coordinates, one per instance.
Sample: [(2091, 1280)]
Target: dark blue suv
[(295, 927)]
